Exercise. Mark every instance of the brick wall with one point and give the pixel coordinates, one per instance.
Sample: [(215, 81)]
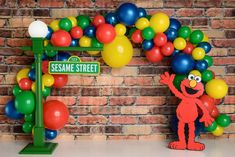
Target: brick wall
[(126, 103)]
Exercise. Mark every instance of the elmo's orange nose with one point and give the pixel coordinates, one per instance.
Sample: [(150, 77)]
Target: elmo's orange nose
[(192, 83)]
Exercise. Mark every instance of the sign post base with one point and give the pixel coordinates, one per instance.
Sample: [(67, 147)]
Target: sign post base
[(48, 148)]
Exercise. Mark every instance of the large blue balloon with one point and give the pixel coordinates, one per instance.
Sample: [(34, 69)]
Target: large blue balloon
[(142, 12), (127, 14), (111, 18), (90, 31), (147, 44), (32, 75), (171, 34), (62, 56), (50, 134), (11, 111), (201, 65), (206, 46), (50, 31), (182, 63), (174, 24)]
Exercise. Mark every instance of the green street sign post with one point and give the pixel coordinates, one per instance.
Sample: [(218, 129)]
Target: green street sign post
[(74, 65)]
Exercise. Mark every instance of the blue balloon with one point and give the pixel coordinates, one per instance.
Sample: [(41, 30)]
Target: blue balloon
[(50, 134), (171, 34), (127, 14), (182, 63), (90, 31), (49, 34), (44, 56), (174, 24), (142, 12), (206, 46), (11, 111), (74, 43), (111, 18), (62, 56), (147, 44), (32, 75), (175, 52), (201, 65)]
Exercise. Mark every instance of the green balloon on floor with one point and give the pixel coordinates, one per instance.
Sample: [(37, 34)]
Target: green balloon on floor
[(212, 127), (223, 120), (25, 102), (29, 117), (27, 127)]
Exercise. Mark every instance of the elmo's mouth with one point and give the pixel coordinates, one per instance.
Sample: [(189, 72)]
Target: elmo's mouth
[(190, 90)]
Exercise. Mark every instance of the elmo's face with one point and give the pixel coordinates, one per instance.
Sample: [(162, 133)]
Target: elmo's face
[(192, 87)]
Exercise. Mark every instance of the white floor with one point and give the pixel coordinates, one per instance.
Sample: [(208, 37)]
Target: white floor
[(214, 148)]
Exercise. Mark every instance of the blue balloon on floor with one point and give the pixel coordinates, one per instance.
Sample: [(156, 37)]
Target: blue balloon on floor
[(171, 34), (111, 18), (127, 13), (74, 43), (142, 12), (32, 75), (206, 46), (11, 111), (201, 65), (174, 23), (62, 56), (90, 31), (147, 44), (50, 31), (50, 134), (182, 63)]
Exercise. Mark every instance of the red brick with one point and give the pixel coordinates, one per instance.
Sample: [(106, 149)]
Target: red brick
[(229, 12), (230, 100), (10, 52), (105, 110), (79, 4), (139, 61), (153, 70), (5, 12), (230, 79), (92, 120), (75, 129), (20, 60), (224, 60), (67, 100), (51, 3), (158, 119), (222, 24), (186, 12), (123, 119), (2, 22), (2, 41), (224, 43), (108, 80), (93, 101), (214, 12), (16, 42), (169, 12), (230, 34), (113, 129), (77, 110), (200, 22), (229, 3), (125, 91), (231, 52), (177, 4), (148, 100), (80, 80), (41, 12), (122, 101), (208, 3), (5, 99), (27, 3), (90, 91), (138, 81)]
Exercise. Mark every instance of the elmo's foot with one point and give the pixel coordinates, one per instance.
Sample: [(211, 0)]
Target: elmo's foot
[(196, 146), (177, 145)]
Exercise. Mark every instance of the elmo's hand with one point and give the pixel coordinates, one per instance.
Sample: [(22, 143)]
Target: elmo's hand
[(166, 78), (207, 119)]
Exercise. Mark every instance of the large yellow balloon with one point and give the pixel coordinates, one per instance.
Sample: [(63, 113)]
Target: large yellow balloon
[(118, 53), (55, 25), (73, 20), (198, 53), (159, 22), (179, 43), (23, 73), (120, 29), (142, 23), (85, 41), (48, 80), (216, 88), (218, 131)]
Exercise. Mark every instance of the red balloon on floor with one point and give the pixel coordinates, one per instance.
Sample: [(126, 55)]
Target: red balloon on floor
[(154, 55), (61, 38), (55, 114), (25, 84), (105, 33), (60, 80)]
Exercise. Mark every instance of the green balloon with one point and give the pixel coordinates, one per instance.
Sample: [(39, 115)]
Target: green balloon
[(184, 32), (177, 80), (223, 120), (209, 60), (27, 127), (46, 92), (65, 24), (33, 65), (148, 33), (29, 117), (25, 102), (16, 90), (83, 21), (212, 127), (131, 31), (196, 37), (207, 75), (96, 43)]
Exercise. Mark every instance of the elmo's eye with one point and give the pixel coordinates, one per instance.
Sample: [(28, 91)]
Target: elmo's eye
[(190, 76), (198, 79)]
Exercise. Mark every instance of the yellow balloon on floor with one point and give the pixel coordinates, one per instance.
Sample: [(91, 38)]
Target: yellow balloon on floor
[(23, 73), (142, 23), (55, 25), (216, 88), (48, 80), (218, 131), (85, 41), (159, 22), (179, 43), (198, 53), (73, 20), (118, 53), (120, 29), (93, 52)]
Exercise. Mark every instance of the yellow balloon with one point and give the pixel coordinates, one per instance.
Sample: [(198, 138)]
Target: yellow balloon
[(120, 29), (23, 73), (216, 88), (218, 131), (73, 20), (33, 87), (179, 43), (92, 53), (198, 53), (205, 38), (118, 53), (45, 42), (142, 23), (196, 73), (159, 22), (55, 25), (48, 80), (85, 41)]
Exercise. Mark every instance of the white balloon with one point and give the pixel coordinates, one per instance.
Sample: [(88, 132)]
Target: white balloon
[(38, 29)]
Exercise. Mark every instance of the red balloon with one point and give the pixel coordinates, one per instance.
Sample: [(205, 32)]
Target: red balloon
[(215, 112), (55, 114), (61, 38), (25, 84), (213, 74), (160, 39), (76, 32), (105, 33), (98, 20), (154, 55), (218, 101), (137, 36), (188, 48), (45, 65), (167, 49), (208, 102), (60, 80)]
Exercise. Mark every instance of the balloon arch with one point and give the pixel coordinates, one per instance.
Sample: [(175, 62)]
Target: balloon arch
[(158, 35)]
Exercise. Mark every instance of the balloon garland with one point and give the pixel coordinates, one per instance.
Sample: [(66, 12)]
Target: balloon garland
[(158, 35)]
